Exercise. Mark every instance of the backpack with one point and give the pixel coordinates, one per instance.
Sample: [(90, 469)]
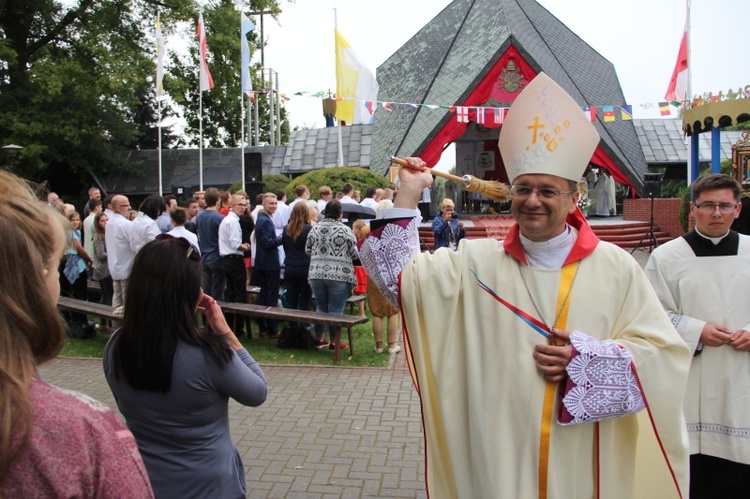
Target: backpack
[(81, 330), (298, 337)]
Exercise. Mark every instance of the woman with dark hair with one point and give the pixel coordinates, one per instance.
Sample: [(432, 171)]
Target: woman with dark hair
[(332, 249), (297, 262), (53, 443), (172, 380), (144, 227)]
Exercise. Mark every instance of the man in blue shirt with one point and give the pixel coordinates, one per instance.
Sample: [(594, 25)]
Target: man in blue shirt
[(208, 222)]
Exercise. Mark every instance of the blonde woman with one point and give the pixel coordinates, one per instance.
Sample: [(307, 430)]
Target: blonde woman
[(448, 230), (53, 443)]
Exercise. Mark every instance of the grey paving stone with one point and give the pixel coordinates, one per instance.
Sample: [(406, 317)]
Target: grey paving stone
[(323, 432)]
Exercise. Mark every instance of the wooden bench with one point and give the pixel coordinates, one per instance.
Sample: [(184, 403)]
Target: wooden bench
[(88, 307), (289, 315), (275, 313), (351, 301)]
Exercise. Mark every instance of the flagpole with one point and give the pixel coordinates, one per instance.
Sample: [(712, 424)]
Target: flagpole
[(200, 129), (200, 107), (159, 122), (689, 96), (242, 105), (158, 95), (691, 163), (338, 128)]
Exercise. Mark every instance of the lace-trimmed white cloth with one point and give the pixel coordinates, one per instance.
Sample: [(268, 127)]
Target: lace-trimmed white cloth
[(385, 253), (601, 383)]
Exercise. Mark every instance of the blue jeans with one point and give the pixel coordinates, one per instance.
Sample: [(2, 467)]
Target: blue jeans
[(330, 297)]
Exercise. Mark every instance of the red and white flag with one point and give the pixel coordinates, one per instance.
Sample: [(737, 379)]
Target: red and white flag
[(678, 85), (207, 83), (499, 115), (462, 114), (480, 116)]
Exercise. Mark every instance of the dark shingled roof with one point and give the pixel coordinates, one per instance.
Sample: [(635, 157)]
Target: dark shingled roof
[(307, 150), (444, 62), (317, 148)]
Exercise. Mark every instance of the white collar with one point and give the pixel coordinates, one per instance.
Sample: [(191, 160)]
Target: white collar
[(549, 254), (715, 240)]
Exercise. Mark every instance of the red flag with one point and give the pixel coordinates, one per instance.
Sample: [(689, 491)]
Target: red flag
[(678, 85), (207, 83)]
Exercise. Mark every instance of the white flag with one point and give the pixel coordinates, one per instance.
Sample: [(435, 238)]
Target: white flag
[(246, 27)]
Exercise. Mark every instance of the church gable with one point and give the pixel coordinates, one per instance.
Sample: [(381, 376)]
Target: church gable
[(469, 39)]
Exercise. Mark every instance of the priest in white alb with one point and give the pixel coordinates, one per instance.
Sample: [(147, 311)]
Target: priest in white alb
[(703, 282), (544, 363)]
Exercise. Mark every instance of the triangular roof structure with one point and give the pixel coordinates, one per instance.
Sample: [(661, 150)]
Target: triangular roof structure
[(456, 58)]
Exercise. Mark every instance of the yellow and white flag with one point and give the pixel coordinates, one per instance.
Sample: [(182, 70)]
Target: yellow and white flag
[(161, 50), (355, 85)]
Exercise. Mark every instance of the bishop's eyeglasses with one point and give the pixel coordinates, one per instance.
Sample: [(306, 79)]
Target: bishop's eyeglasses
[(710, 208), (524, 191)]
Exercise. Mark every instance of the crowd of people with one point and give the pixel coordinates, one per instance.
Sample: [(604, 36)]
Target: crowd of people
[(238, 244)]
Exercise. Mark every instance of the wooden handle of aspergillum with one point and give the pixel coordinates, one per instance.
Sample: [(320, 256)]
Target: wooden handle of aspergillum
[(404, 163)]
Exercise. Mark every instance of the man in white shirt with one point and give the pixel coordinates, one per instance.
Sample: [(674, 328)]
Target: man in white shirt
[(302, 193), (231, 249), (326, 194), (178, 218), (369, 200), (281, 218), (120, 256), (348, 190)]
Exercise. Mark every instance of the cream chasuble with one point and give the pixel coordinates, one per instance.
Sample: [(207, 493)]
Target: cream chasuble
[(482, 397), (696, 290)]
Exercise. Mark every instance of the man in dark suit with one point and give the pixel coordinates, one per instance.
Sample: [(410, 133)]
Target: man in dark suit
[(267, 266)]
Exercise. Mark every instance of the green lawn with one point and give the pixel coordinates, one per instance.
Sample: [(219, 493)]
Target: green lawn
[(265, 351)]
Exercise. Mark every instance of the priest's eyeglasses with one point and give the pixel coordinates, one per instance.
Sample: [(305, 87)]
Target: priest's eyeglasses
[(710, 208), (524, 191)]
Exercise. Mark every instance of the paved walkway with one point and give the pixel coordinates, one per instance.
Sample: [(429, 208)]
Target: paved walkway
[(323, 432)]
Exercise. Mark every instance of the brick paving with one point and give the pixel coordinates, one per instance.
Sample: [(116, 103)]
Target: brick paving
[(324, 432)]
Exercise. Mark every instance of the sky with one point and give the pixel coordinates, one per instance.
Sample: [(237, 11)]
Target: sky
[(639, 37)]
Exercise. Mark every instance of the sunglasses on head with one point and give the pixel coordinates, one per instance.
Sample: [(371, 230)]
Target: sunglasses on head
[(192, 254)]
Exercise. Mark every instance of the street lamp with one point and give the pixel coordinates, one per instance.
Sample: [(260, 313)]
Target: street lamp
[(12, 151)]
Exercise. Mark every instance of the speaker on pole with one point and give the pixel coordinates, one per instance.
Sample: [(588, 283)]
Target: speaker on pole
[(253, 189), (652, 184), (253, 167)]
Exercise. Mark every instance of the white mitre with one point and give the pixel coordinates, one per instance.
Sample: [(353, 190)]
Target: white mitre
[(546, 132)]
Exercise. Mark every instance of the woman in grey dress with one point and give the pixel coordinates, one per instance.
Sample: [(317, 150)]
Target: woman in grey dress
[(172, 380)]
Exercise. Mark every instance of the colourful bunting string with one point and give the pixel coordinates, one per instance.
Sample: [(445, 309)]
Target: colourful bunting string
[(489, 116), (626, 113), (590, 112)]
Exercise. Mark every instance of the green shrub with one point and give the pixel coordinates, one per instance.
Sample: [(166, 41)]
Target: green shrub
[(335, 178)]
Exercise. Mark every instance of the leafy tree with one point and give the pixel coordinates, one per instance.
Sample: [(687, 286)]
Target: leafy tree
[(335, 178), (222, 118), (75, 79)]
